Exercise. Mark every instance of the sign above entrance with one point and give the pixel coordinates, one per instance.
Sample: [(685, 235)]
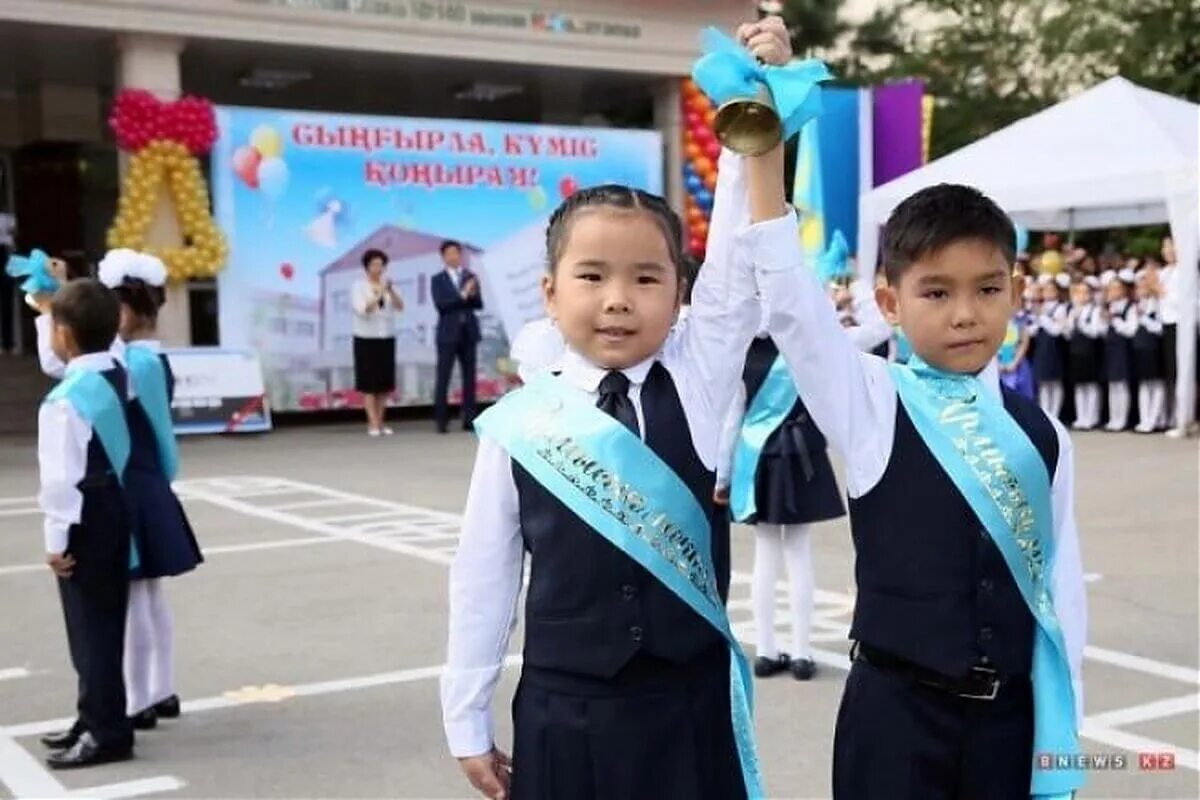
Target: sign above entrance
[(469, 15)]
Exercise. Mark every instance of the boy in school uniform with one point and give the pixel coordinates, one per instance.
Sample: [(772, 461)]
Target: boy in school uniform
[(969, 619), (83, 446)]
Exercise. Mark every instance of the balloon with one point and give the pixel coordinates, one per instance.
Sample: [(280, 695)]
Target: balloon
[(568, 186), (273, 177), (704, 199), (703, 166), (694, 152), (696, 244), (710, 181), (710, 117), (713, 150), (245, 165), (702, 135), (267, 141), (287, 271), (694, 215), (689, 88), (694, 183), (693, 120)]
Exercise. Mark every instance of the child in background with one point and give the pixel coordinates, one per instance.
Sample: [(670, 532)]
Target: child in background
[(1048, 342), (1085, 329), (1015, 371), (165, 543), (1121, 325), (1147, 355), (83, 448)]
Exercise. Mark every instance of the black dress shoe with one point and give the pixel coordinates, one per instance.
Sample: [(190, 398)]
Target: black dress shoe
[(169, 708), (63, 740), (442, 429), (803, 669), (766, 667), (144, 720), (87, 752)]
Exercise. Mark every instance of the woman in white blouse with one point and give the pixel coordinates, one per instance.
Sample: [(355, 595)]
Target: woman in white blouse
[(375, 302)]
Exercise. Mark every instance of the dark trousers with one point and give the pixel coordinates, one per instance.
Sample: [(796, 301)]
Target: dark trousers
[(447, 353), (95, 617), (656, 731), (899, 740)]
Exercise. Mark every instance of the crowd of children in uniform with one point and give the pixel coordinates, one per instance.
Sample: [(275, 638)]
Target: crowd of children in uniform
[(113, 526), (1098, 350)]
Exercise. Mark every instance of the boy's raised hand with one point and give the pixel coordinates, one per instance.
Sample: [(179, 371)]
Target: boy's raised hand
[(768, 39)]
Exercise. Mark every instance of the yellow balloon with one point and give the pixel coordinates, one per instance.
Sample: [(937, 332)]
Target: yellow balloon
[(266, 141)]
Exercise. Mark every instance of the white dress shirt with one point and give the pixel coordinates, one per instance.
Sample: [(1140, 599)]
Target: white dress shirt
[(1052, 319), (704, 359), (1126, 326), (372, 321), (1168, 278), (853, 400), (1148, 315), (63, 438), (1085, 320)]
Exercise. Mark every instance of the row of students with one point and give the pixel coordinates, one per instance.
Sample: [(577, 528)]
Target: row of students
[(107, 454), (600, 472), (1091, 332)]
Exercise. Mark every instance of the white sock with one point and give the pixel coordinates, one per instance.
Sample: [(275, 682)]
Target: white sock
[(797, 550), (768, 550), (139, 648), (1093, 397), (1050, 397), (1118, 405), (1156, 400), (162, 684)]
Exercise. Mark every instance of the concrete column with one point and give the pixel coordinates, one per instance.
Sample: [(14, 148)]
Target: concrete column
[(151, 62), (668, 120)]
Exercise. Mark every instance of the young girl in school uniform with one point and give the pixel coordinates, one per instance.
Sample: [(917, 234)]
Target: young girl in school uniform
[(1048, 340), (601, 470), (1121, 324), (1147, 356), (1085, 328)]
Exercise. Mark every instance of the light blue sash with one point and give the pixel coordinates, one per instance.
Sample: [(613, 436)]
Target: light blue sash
[(150, 383), (999, 471), (612, 481), (766, 412), (95, 400)]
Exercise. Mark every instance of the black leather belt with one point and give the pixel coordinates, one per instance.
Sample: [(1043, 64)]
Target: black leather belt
[(981, 683)]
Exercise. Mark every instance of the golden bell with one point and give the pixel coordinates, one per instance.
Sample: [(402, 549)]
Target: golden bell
[(749, 126)]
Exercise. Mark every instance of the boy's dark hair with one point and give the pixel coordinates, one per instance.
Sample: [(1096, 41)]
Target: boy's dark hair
[(90, 310), (618, 196), (78, 267), (373, 254), (938, 216), (447, 244), (143, 299)]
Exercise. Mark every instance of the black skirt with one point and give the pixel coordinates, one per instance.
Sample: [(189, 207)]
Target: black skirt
[(1083, 359), (794, 482), (1170, 331), (1117, 358), (1047, 357), (656, 731), (165, 542), (374, 365), (1147, 355)]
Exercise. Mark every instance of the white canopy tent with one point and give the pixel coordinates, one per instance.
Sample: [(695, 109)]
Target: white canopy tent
[(1114, 155)]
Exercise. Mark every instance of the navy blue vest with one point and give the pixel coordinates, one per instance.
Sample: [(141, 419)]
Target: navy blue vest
[(590, 608), (100, 540), (932, 587)]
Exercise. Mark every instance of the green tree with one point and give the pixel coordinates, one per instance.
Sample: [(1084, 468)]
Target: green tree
[(1158, 44), (813, 24)]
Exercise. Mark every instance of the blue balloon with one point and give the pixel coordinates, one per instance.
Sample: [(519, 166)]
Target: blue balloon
[(273, 177), (704, 199), (688, 170), (694, 184)]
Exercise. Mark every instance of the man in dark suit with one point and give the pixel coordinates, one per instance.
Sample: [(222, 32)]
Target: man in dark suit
[(456, 294)]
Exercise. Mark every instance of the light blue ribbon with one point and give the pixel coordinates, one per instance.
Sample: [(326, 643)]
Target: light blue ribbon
[(95, 400), (834, 263), (766, 412), (1001, 474), (728, 71), (612, 481), (35, 269), (150, 384)]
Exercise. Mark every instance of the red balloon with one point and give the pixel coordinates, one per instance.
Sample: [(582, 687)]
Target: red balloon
[(245, 165), (713, 150), (693, 120), (567, 187), (702, 134), (287, 271), (696, 244)]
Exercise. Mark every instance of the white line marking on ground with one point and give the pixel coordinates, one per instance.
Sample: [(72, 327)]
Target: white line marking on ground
[(1146, 665), (301, 690), (1147, 711), (137, 788), (13, 673), (1140, 744), (23, 774), (20, 512)]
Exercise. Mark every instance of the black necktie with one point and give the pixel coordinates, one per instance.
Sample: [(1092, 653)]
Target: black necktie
[(614, 400)]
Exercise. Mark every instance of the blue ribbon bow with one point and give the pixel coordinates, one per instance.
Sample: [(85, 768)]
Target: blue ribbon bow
[(834, 263), (35, 268), (728, 71)]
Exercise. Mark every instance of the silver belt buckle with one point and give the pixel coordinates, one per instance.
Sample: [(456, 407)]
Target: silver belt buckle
[(993, 684)]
